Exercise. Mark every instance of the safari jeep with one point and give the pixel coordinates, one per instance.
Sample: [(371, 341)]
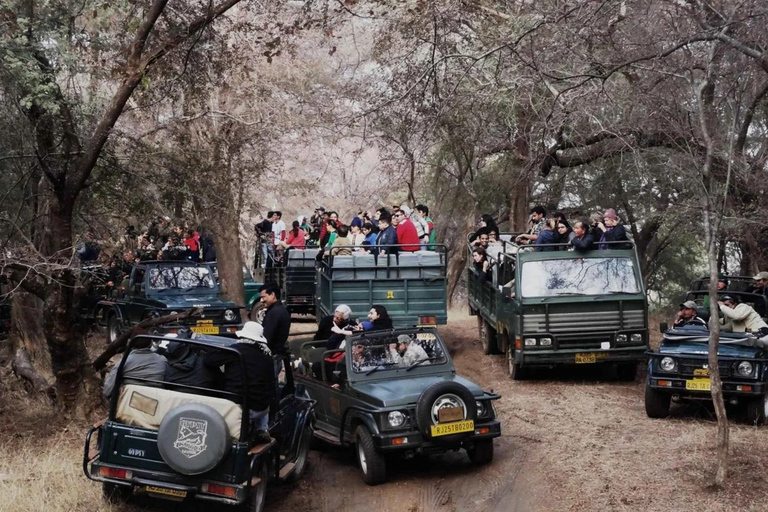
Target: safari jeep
[(383, 409), (679, 369), (158, 288), (179, 442)]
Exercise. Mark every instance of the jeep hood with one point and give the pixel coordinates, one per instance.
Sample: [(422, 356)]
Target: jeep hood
[(193, 301), (405, 391), (694, 348)]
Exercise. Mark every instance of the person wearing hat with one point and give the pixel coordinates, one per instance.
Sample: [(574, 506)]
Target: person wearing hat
[(405, 353), (760, 286), (259, 374), (740, 317), (613, 231), (688, 316)]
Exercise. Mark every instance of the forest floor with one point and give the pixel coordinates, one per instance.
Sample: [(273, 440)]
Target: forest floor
[(573, 439)]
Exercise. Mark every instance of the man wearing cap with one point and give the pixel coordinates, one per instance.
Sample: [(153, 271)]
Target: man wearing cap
[(405, 352), (259, 374), (722, 285), (761, 284), (688, 317), (741, 317)]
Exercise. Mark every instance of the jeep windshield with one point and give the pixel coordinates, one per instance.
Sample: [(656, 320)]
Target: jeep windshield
[(387, 353), (180, 278), (579, 276)]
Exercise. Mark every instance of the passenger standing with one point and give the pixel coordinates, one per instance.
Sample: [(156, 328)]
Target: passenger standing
[(583, 240), (368, 233), (612, 230), (193, 248), (547, 236), (407, 236), (260, 377), (423, 210), (386, 242), (422, 228), (278, 227), (277, 323), (538, 218)]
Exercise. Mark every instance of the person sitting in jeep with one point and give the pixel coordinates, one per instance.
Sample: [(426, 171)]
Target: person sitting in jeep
[(141, 363), (688, 316), (260, 375), (405, 353), (741, 317)]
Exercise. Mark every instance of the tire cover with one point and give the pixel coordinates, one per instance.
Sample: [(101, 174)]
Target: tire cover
[(434, 392), (193, 438)]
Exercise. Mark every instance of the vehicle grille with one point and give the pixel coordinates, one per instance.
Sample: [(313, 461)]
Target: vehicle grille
[(688, 366), (584, 329)]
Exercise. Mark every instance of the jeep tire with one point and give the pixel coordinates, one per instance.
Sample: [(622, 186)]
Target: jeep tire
[(257, 493), (435, 392), (302, 458), (372, 463), (192, 457), (656, 403), (487, 337), (481, 452), (114, 329), (516, 372), (757, 410)]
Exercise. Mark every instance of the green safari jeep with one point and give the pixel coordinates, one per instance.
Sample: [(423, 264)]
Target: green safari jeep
[(385, 405)]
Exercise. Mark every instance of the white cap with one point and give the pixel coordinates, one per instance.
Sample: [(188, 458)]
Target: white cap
[(253, 331)]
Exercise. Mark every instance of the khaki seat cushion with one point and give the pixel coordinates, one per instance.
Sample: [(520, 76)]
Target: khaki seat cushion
[(144, 406)]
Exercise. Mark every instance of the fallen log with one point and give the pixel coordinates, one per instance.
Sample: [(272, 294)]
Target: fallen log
[(22, 366), (122, 340)]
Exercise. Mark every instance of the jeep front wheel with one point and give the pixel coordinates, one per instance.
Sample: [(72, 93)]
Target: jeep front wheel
[(656, 403), (113, 329), (757, 410), (372, 463), (481, 452)]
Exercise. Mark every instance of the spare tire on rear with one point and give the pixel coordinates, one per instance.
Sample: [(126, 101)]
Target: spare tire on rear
[(442, 395), (193, 438)]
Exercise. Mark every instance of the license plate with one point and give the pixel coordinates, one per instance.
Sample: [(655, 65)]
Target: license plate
[(166, 492), (697, 385), (586, 358), (457, 427), (205, 329)]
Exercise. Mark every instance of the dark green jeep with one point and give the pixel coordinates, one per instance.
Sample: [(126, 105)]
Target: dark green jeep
[(385, 404), (159, 288), (182, 442)]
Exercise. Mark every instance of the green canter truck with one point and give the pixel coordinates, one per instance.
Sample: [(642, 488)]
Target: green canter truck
[(411, 285), (548, 308)]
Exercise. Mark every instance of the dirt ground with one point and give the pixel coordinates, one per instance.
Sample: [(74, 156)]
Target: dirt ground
[(571, 440)]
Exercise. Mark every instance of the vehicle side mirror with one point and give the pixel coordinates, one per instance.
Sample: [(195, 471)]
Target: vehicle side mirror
[(506, 291), (663, 327)]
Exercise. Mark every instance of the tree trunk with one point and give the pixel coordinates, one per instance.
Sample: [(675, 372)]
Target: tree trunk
[(27, 332), (64, 332), (226, 236), (518, 204)]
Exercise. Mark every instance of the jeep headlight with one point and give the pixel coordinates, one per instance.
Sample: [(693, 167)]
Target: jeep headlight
[(395, 419), (745, 368), (668, 364), (636, 338), (229, 315), (621, 338), (545, 342), (530, 342), (480, 409)]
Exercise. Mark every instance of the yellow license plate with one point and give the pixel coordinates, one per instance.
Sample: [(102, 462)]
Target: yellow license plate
[(697, 385), (586, 358), (456, 427), (166, 492), (206, 329)]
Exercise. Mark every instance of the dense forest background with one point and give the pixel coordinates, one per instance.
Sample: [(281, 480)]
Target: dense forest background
[(112, 114)]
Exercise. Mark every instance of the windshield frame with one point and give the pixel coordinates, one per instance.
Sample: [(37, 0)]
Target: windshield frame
[(385, 372), (593, 255), (214, 289)]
